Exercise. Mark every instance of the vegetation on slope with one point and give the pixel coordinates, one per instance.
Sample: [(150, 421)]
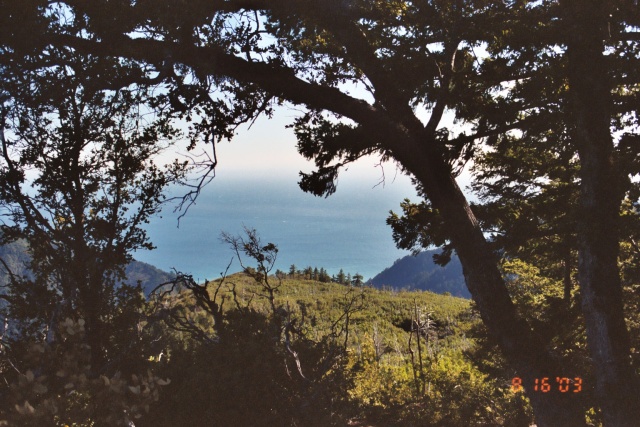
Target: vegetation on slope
[(395, 358), (255, 349)]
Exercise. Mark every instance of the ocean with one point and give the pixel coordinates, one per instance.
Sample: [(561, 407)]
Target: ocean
[(344, 231)]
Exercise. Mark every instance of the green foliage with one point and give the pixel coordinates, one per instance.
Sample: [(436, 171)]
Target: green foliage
[(539, 299), (419, 227), (326, 355), (57, 387), (249, 379), (531, 292), (377, 385), (224, 63), (371, 381)]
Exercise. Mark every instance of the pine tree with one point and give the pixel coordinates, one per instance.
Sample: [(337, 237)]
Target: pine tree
[(358, 280), (308, 273)]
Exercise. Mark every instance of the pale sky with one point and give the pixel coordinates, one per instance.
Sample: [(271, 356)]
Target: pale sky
[(268, 150)]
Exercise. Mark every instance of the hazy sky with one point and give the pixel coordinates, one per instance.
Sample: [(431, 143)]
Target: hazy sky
[(268, 150)]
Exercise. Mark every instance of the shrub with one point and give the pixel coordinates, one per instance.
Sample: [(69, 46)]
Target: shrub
[(58, 388)]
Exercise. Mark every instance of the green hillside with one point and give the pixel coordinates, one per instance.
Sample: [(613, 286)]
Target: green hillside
[(407, 358), (389, 310)]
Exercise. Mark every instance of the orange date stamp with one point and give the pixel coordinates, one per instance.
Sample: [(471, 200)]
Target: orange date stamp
[(545, 385)]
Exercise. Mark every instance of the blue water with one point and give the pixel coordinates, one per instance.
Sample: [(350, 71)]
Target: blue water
[(346, 230)]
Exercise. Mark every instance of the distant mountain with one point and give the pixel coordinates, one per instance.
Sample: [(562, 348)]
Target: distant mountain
[(420, 272), (148, 275), (16, 257)]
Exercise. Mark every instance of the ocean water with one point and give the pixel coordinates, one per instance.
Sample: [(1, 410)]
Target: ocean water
[(346, 230)]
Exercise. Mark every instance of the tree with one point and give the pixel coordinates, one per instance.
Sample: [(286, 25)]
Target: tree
[(323, 276), (58, 386), (531, 209), (583, 73), (292, 271), (216, 56), (591, 113), (565, 95), (78, 183), (308, 273), (357, 280)]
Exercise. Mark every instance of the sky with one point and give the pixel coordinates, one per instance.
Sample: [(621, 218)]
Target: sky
[(267, 149)]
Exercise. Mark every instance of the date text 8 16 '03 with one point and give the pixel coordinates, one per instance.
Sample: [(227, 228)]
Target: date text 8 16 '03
[(544, 385)]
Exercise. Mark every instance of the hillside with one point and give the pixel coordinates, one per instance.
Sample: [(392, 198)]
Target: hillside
[(16, 257), (390, 309), (392, 372), (421, 273), (148, 275)]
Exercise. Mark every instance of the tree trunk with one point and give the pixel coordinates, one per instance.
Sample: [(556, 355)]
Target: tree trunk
[(598, 223), (524, 350), (566, 275), (94, 327)]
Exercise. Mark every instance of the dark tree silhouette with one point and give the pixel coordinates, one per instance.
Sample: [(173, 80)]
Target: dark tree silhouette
[(229, 61), (77, 183)]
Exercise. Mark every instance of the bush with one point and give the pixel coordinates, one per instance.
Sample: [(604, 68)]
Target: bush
[(248, 378), (58, 388)]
